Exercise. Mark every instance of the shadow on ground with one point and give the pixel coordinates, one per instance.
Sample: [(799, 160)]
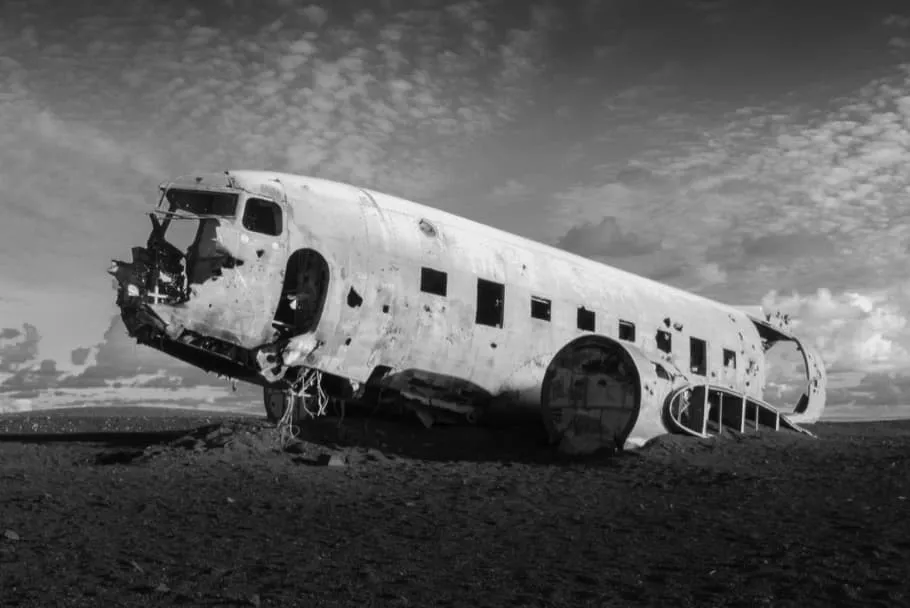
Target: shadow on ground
[(361, 436), (134, 434), (516, 439), (109, 438)]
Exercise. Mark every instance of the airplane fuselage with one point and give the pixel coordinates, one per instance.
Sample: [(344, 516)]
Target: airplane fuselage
[(363, 286)]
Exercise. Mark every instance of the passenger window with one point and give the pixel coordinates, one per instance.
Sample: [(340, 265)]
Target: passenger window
[(490, 301), (627, 331), (433, 281), (664, 341), (729, 359), (586, 319), (262, 216), (698, 356), (540, 308)]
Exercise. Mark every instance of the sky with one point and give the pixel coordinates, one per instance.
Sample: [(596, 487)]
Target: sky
[(755, 153)]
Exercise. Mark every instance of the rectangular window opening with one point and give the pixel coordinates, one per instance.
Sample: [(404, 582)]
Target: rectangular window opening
[(490, 303), (586, 319), (540, 308), (203, 203), (262, 216), (433, 281), (626, 331), (664, 341), (729, 359), (698, 356)]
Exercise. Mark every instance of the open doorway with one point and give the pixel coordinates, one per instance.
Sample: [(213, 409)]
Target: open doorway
[(303, 293)]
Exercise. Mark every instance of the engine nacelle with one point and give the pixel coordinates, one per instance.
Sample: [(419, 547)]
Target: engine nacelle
[(600, 393)]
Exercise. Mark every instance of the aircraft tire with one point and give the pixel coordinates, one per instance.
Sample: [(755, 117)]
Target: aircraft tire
[(276, 402)]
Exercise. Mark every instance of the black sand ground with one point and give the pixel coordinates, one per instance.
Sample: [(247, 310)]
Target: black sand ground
[(158, 508)]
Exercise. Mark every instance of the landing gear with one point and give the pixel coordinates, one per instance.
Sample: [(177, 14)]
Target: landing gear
[(276, 403), (306, 400)]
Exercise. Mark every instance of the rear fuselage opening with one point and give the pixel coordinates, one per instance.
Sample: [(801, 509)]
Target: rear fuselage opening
[(795, 377)]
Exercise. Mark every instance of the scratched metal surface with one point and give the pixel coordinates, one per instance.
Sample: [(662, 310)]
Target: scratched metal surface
[(374, 245)]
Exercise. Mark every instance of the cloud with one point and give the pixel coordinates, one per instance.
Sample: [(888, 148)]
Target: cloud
[(898, 21), (80, 355), (855, 332), (380, 98), (116, 362), (749, 251), (708, 274), (605, 240), (511, 191), (38, 377), (9, 333), (13, 354), (118, 358)]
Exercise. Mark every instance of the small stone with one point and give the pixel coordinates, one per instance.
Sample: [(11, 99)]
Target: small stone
[(219, 434), (10, 535), (295, 447), (187, 441)]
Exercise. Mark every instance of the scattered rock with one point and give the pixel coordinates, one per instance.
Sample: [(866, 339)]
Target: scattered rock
[(187, 441), (124, 456), (296, 447), (323, 460), (331, 460), (220, 437), (370, 576), (154, 450)]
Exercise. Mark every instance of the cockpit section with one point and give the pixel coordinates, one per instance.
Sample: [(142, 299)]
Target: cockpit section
[(196, 235), (213, 264)]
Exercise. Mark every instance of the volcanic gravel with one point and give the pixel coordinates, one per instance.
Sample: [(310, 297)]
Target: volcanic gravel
[(141, 507)]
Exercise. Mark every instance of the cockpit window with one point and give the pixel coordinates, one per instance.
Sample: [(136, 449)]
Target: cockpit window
[(203, 203), (262, 216)]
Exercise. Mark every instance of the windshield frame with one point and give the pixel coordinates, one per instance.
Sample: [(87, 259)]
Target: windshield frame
[(216, 197)]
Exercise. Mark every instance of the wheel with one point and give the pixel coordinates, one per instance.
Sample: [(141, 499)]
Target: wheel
[(276, 402)]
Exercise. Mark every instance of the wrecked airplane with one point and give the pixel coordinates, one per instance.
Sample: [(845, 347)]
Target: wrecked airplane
[(315, 289)]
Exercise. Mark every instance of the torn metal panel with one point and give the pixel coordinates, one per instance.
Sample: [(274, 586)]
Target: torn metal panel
[(774, 329), (812, 403)]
